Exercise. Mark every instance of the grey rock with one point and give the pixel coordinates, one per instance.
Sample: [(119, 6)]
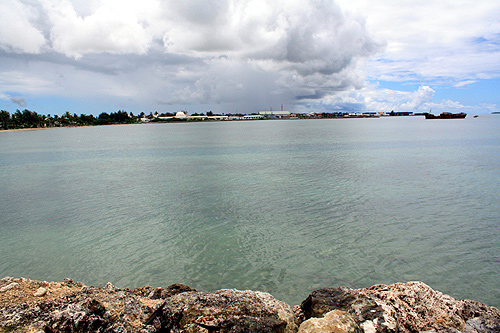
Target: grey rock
[(160, 293), (155, 293), (228, 310), (82, 316), (404, 307), (73, 307), (175, 289), (325, 300)]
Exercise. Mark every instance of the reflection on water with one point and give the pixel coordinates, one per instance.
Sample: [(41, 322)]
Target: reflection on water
[(278, 206)]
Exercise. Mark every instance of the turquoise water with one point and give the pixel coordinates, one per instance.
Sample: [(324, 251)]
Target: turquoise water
[(279, 206)]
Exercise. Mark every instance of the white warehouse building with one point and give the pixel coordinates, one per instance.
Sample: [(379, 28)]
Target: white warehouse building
[(275, 114)]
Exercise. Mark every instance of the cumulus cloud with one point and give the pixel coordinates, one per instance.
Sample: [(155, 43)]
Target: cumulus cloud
[(197, 51), (296, 32), (418, 98), (303, 35), (307, 47), (17, 31), (243, 53), (372, 99), (433, 40), (113, 27)]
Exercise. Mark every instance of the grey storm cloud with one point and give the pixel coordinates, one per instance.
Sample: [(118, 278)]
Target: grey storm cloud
[(184, 52), (18, 101)]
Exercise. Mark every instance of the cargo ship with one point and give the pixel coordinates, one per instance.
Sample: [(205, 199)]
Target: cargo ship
[(446, 115)]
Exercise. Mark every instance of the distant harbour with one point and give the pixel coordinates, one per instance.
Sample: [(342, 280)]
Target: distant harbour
[(27, 119)]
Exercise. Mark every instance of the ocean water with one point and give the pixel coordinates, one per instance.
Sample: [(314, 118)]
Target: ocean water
[(284, 207)]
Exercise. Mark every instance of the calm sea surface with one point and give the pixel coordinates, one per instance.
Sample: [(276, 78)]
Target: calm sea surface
[(279, 206)]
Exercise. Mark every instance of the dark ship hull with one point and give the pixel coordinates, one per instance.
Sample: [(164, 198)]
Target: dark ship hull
[(446, 115)]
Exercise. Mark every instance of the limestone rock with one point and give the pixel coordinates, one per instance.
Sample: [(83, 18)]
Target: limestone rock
[(404, 307), (335, 321), (110, 287), (9, 287), (157, 293), (324, 300), (229, 310), (40, 292), (73, 307), (175, 289), (83, 316)]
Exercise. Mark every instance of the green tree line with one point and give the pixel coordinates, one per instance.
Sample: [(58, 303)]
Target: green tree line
[(31, 119)]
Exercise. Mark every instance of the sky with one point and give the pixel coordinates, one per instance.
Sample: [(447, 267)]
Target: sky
[(245, 56)]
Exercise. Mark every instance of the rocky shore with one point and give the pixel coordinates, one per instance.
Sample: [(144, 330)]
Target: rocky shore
[(38, 306)]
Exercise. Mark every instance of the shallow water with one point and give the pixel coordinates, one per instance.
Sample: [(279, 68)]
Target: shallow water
[(279, 206)]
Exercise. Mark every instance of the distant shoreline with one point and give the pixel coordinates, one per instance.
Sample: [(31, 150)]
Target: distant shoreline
[(53, 127), (24, 129), (179, 122)]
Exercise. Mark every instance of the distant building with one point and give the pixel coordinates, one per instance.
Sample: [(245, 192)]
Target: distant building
[(253, 116), (275, 114), (202, 117), (181, 115), (219, 117)]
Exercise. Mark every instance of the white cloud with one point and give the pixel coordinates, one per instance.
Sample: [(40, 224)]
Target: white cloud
[(464, 83), (113, 27), (248, 52), (25, 82), (303, 36), (16, 29), (371, 98), (430, 39), (419, 98), (305, 46)]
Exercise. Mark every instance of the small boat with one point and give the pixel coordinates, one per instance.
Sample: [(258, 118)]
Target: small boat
[(446, 115)]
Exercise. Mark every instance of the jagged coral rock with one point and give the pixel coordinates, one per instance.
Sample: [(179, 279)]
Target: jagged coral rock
[(73, 307), (404, 307), (70, 306), (232, 310)]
